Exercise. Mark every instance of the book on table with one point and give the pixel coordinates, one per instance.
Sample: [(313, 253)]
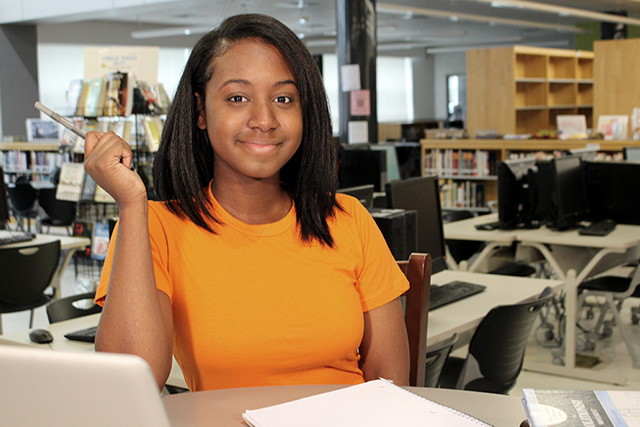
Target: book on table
[(581, 408), (373, 403)]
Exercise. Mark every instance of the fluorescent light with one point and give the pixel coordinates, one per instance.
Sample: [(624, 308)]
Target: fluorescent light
[(483, 45), (404, 10), (564, 11), (169, 32)]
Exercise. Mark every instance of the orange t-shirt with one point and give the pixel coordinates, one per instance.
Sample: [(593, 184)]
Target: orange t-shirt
[(253, 305)]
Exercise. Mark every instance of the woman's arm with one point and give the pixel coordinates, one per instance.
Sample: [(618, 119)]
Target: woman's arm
[(137, 318), (384, 351)]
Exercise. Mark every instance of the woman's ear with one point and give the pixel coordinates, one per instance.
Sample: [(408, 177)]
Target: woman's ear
[(202, 120)]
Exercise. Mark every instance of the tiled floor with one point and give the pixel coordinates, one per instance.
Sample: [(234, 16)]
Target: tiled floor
[(611, 351)]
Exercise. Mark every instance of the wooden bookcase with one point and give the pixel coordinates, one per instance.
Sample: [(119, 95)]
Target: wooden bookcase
[(616, 82), (521, 89), (36, 160), (497, 149)]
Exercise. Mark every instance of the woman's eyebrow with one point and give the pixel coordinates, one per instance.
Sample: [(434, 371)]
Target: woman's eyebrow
[(248, 83)]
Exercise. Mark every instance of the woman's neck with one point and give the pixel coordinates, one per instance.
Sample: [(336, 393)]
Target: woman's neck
[(253, 202)]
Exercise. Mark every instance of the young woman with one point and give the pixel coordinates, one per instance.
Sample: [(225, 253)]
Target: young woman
[(251, 271)]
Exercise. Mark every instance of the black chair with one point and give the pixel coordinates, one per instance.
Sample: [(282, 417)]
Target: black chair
[(24, 204), (69, 307), (436, 359), (460, 249), (60, 213), (26, 273), (496, 350)]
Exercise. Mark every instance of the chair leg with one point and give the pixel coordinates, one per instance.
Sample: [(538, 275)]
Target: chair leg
[(31, 319), (623, 331), (1, 332)]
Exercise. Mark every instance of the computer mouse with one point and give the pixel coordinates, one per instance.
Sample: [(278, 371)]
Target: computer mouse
[(40, 336)]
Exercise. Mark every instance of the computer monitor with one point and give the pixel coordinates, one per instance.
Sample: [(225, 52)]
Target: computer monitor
[(360, 166), (422, 194), (586, 153), (364, 193), (569, 194), (393, 169), (612, 187), (515, 208), (631, 153), (4, 202)]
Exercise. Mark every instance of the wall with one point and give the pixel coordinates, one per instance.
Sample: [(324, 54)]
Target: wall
[(446, 64), (18, 77)]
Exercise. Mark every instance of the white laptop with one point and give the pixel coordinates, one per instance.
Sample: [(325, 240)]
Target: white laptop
[(41, 387)]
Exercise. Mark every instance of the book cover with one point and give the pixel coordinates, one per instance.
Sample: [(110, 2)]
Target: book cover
[(83, 229), (71, 182), (101, 196), (581, 408), (100, 240), (152, 131), (94, 97)]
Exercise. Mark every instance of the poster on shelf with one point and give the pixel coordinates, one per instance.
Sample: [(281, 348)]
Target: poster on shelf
[(142, 61), (613, 127)]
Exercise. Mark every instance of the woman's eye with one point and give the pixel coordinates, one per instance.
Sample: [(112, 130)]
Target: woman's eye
[(283, 99), (237, 98)]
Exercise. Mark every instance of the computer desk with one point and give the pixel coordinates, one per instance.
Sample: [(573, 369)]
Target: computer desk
[(225, 407), (68, 244), (462, 316), (572, 257)]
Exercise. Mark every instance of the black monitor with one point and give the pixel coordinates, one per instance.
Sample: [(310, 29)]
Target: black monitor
[(360, 166), (4, 202), (631, 153), (612, 189), (568, 193), (422, 194), (515, 207), (364, 193)]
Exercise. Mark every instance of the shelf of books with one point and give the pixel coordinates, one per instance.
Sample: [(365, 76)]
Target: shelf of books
[(467, 167), (36, 161)]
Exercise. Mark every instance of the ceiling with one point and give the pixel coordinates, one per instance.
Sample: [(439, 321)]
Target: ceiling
[(404, 26)]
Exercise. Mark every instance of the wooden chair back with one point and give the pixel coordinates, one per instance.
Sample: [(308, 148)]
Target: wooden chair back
[(418, 272)]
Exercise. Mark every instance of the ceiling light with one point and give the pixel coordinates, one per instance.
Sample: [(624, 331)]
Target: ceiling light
[(403, 10), (565, 11), (169, 32)]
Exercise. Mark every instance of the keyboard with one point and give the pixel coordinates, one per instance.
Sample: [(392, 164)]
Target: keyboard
[(487, 226), (598, 228), (441, 295), (8, 237), (84, 335)]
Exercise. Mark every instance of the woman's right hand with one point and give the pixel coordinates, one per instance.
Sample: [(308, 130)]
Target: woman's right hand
[(108, 159)]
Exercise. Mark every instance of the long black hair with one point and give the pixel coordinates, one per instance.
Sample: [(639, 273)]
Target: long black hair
[(183, 166)]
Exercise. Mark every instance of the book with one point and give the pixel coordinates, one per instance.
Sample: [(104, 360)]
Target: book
[(119, 94), (94, 97), (152, 132), (374, 403), (100, 240), (578, 408), (83, 229), (71, 182)]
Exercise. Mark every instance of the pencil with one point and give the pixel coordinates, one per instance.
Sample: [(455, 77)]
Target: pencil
[(62, 120)]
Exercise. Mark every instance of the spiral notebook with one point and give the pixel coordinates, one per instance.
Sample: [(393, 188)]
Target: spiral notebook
[(371, 404)]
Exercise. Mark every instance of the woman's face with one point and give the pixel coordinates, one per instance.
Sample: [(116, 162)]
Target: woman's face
[(252, 112)]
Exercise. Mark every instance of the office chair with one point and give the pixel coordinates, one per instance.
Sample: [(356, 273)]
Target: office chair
[(24, 204), (496, 350), (65, 308), (26, 273), (60, 213), (436, 359), (416, 313), (614, 290)]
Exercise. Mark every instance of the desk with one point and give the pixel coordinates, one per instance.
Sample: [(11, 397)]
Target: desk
[(68, 244), (466, 230), (465, 315), (573, 258), (225, 407), (60, 343)]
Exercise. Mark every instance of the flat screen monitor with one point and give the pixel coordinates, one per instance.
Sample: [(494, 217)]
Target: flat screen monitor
[(515, 208), (631, 153), (364, 193), (569, 195), (4, 202), (393, 169), (360, 166), (612, 189), (422, 194)]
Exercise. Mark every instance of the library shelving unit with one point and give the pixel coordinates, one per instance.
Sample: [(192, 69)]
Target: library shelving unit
[(522, 89), (36, 160), (446, 158)]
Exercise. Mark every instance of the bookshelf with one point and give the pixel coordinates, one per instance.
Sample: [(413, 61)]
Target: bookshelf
[(491, 151), (36, 160), (521, 89)]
